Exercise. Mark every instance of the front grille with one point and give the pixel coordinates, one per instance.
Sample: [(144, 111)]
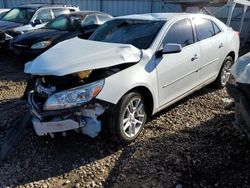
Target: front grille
[(20, 45)]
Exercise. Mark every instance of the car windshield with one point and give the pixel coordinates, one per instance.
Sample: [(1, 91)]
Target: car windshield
[(19, 15), (65, 23), (139, 33), (2, 14)]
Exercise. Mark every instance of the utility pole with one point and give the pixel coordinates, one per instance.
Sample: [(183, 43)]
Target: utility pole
[(4, 4)]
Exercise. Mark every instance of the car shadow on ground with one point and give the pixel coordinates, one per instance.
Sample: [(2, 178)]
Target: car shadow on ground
[(193, 157), (213, 154), (11, 68), (45, 158)]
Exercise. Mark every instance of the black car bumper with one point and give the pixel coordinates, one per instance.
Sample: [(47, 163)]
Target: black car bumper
[(4, 45), (27, 52), (241, 95)]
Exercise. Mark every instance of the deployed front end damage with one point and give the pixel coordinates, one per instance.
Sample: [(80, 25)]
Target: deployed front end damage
[(63, 103), (57, 108), (239, 89), (62, 94)]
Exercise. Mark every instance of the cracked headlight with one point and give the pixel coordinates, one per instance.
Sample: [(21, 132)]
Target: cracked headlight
[(41, 45), (73, 97)]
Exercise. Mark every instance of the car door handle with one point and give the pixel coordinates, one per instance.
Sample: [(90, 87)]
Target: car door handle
[(195, 57), (221, 45)]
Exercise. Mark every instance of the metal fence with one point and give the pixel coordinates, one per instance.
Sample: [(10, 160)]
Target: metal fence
[(114, 7)]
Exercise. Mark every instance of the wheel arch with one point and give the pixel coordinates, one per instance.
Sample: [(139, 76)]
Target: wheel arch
[(231, 54), (147, 97)]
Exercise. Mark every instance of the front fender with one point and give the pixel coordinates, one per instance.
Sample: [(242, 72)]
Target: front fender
[(117, 85)]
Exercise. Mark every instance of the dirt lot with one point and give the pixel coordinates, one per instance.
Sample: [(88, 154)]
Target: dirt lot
[(191, 144)]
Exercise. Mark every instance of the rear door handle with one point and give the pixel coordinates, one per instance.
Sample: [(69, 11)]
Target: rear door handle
[(195, 57), (221, 45)]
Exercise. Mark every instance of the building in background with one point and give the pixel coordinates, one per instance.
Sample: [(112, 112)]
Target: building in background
[(218, 8)]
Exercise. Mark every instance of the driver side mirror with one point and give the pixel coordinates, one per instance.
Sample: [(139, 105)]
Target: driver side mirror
[(36, 22), (170, 48)]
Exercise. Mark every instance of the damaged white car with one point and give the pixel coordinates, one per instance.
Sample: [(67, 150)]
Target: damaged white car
[(132, 67)]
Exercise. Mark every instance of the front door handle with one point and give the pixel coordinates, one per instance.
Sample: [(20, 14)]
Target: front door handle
[(221, 45), (195, 57)]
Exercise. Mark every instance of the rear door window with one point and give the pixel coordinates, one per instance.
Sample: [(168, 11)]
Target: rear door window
[(90, 20), (180, 32), (60, 11), (44, 15), (204, 28), (216, 29)]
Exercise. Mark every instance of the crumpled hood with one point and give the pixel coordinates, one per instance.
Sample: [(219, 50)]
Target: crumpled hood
[(241, 69), (5, 25), (77, 55)]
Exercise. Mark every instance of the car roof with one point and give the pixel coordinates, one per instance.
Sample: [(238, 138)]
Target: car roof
[(161, 16), (40, 5), (87, 12)]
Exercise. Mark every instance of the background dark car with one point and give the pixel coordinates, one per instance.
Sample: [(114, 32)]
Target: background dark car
[(25, 18), (3, 12), (82, 24)]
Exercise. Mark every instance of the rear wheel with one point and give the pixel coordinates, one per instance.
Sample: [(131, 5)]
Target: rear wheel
[(225, 73), (128, 118)]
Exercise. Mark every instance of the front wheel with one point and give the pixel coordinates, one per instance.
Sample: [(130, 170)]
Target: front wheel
[(128, 118), (225, 73)]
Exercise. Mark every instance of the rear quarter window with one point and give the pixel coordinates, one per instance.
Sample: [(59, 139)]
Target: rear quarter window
[(44, 15), (216, 29), (204, 28)]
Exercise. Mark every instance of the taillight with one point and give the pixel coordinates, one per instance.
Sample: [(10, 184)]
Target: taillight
[(238, 33)]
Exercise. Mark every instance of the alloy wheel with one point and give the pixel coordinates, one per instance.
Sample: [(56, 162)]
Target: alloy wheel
[(134, 117)]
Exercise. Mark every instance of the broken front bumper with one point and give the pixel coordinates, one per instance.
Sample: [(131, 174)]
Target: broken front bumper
[(83, 119)]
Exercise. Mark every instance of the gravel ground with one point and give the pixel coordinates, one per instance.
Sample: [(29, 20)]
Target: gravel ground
[(191, 144)]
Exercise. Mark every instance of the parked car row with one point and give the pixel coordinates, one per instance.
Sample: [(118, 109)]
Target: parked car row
[(32, 29), (28, 17), (130, 68), (66, 26)]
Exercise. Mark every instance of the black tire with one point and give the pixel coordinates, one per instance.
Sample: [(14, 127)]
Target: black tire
[(117, 116), (220, 82)]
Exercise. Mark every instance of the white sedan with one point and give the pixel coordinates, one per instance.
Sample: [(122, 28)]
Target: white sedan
[(132, 67)]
